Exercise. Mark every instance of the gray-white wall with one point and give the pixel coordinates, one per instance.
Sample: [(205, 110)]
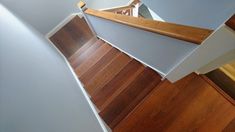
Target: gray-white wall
[(44, 15), (160, 52), (38, 92), (106, 4), (200, 13)]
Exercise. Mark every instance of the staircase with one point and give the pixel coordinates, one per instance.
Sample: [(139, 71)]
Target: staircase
[(115, 82), (129, 92)]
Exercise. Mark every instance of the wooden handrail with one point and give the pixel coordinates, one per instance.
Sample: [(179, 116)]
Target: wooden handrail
[(81, 4), (132, 5), (231, 22), (181, 32), (118, 8)]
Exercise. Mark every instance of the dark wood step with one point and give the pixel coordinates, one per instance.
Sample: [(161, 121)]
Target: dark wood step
[(128, 99), (190, 104), (112, 89), (105, 60), (107, 73), (92, 59), (83, 49), (76, 32), (79, 59)]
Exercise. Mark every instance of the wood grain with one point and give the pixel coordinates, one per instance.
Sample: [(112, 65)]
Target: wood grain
[(126, 101), (224, 84), (79, 59), (92, 59), (107, 73), (181, 32), (112, 89), (231, 22), (132, 98), (81, 49), (76, 32), (103, 62), (188, 105)]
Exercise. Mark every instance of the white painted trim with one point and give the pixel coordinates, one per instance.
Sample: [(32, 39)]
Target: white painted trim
[(161, 73), (61, 24), (205, 53), (218, 62), (101, 122), (117, 6)]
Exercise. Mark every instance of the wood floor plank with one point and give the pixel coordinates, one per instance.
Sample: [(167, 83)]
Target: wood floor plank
[(68, 49), (83, 49), (72, 36), (80, 59), (111, 90), (105, 60), (230, 127), (93, 59), (107, 73), (188, 105), (130, 97)]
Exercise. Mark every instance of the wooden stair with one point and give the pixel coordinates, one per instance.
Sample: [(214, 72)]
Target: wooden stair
[(132, 98), (115, 82)]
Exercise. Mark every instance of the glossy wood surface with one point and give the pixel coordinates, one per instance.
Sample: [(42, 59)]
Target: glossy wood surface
[(76, 32), (191, 104), (132, 97), (181, 32), (231, 22)]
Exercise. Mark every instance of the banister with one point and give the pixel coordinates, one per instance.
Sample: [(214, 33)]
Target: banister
[(119, 8), (81, 4), (181, 32)]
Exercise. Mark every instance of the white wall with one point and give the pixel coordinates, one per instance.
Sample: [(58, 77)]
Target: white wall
[(221, 42), (44, 15), (201, 13), (106, 4), (38, 92), (218, 62), (157, 51)]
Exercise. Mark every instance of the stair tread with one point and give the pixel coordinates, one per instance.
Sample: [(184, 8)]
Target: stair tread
[(82, 49), (105, 60), (128, 99), (93, 59), (82, 57), (107, 73), (72, 36), (111, 90)]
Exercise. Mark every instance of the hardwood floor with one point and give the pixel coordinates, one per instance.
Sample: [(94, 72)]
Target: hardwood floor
[(76, 32), (188, 105), (115, 82), (224, 83), (132, 98)]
